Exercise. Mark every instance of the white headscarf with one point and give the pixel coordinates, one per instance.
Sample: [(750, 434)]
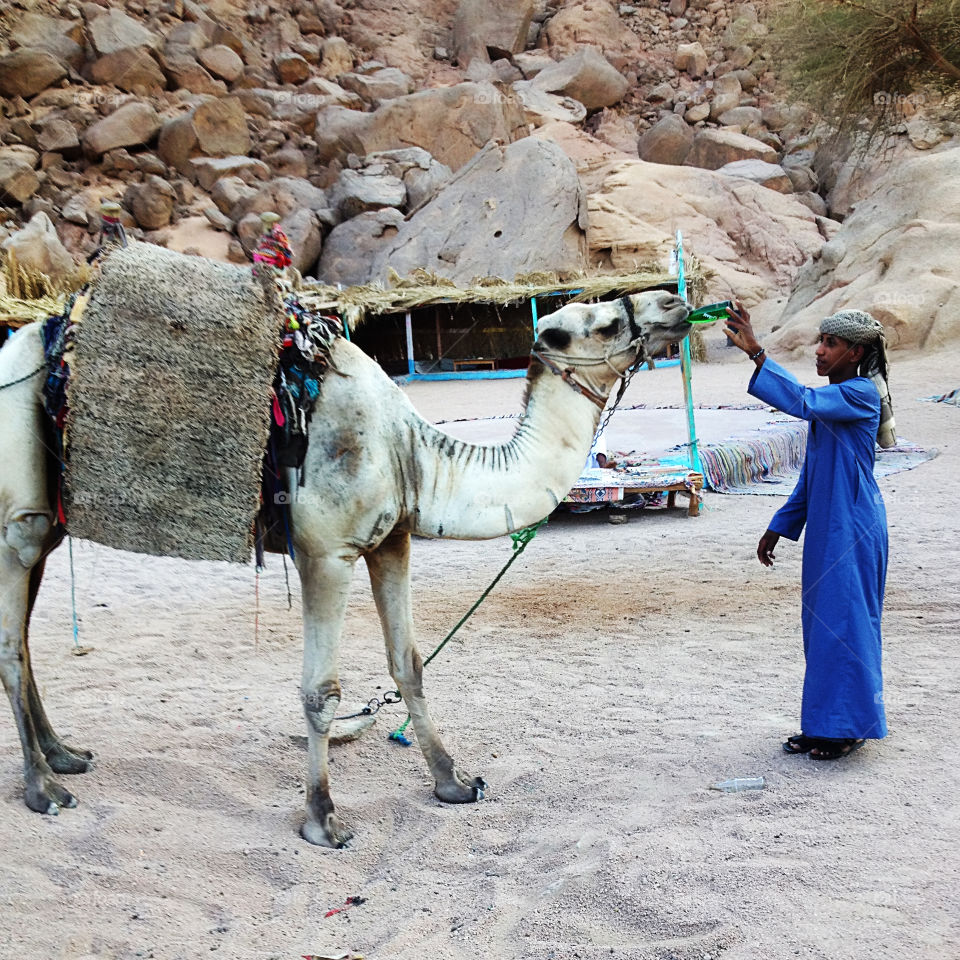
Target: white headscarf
[(858, 326)]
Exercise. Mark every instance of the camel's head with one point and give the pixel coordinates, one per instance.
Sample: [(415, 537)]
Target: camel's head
[(613, 334)]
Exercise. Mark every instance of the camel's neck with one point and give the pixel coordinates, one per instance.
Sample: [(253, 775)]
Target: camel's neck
[(473, 491)]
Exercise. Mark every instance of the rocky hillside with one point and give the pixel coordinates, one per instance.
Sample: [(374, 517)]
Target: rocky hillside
[(471, 137)]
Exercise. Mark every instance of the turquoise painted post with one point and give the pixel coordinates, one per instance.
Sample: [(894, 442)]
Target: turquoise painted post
[(536, 318), (409, 323), (686, 366)]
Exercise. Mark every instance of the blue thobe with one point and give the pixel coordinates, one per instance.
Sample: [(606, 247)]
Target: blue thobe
[(844, 552)]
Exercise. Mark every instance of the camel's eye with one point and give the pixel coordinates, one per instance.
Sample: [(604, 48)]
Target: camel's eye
[(555, 338), (610, 330)]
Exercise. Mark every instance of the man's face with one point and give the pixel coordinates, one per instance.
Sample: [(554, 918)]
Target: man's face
[(837, 356)]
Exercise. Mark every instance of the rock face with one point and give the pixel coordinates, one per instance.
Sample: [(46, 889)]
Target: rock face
[(450, 123), (214, 128), (38, 248), (27, 71), (586, 76), (894, 256), (713, 148), (351, 247), (490, 29), (510, 210), (755, 239), (128, 126)]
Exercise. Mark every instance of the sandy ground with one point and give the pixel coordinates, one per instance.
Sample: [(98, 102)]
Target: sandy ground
[(615, 674)]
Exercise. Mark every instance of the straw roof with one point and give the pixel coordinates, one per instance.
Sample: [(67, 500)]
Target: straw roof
[(423, 289), (26, 297)]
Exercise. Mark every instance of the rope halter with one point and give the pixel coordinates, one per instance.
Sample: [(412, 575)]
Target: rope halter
[(637, 346)]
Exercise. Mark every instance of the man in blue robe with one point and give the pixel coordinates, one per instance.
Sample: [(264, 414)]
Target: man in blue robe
[(839, 502)]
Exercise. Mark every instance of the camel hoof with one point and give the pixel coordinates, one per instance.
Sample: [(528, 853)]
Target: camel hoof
[(48, 797), (332, 833), (70, 760), (461, 789)]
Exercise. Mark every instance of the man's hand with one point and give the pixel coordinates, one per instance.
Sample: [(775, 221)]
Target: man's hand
[(739, 330), (768, 543)]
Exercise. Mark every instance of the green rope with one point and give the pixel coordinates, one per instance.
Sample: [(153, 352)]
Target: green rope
[(520, 540)]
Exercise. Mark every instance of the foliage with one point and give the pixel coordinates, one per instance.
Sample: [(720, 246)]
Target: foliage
[(867, 63)]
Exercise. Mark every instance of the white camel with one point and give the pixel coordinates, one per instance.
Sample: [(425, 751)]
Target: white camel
[(375, 473)]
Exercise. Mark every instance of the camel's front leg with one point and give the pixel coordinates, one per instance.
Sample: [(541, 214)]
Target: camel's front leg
[(389, 567), (326, 588)]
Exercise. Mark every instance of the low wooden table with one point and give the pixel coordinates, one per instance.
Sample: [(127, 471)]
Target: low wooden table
[(475, 363), (690, 486)]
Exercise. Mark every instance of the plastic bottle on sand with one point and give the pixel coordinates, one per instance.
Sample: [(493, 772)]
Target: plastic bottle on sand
[(739, 784)]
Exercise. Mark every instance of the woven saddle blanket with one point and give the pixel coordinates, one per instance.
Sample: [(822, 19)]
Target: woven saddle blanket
[(171, 376)]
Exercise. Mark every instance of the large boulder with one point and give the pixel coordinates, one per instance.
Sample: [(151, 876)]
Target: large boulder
[(222, 62), (131, 125), (284, 195), (894, 256), (290, 67), (207, 171), (306, 239), (668, 141), (114, 31), (181, 67), (352, 246), (383, 84), (540, 107), (213, 128), (151, 202), (753, 239), (133, 69), (27, 71), (335, 58), (58, 36), (593, 23), (586, 76), (422, 175), (713, 148), (510, 210), (358, 191), (769, 175), (38, 248), (57, 135), (490, 29), (450, 123), (692, 58), (18, 182)]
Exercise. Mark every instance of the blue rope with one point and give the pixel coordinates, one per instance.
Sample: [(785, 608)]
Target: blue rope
[(73, 595)]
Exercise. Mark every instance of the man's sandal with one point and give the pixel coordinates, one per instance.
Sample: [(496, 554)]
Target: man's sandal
[(835, 749), (800, 744)]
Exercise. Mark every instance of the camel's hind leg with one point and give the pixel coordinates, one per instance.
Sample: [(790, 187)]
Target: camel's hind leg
[(389, 567), (43, 793), (326, 588), (62, 757)]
